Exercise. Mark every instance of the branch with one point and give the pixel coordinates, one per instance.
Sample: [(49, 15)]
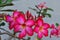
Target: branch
[(8, 33), (4, 30), (0, 37)]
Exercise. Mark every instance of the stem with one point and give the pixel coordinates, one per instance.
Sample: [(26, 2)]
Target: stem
[(5, 30), (0, 37), (8, 33), (28, 38), (14, 34), (39, 14)]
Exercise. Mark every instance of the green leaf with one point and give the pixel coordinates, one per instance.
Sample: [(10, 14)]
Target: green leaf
[(57, 24), (44, 10), (3, 5), (49, 15), (0, 1), (8, 10), (50, 9), (2, 24), (8, 1)]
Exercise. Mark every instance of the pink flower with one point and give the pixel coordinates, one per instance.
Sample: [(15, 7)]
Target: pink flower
[(41, 28), (42, 5), (29, 15), (12, 19), (54, 31), (58, 30), (25, 26)]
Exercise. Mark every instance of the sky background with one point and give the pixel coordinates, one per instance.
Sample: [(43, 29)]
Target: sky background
[(22, 5)]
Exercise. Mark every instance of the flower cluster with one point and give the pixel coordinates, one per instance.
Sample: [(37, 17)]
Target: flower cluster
[(27, 24)]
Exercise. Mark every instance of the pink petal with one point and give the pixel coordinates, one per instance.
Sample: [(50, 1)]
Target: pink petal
[(20, 19), (54, 32), (29, 15), (22, 34), (45, 32), (46, 26), (8, 18), (41, 5), (36, 29), (52, 26), (11, 25), (40, 22), (16, 13), (30, 22), (40, 35), (17, 28), (29, 31)]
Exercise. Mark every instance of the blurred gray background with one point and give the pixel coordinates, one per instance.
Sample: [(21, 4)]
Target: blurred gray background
[(23, 5)]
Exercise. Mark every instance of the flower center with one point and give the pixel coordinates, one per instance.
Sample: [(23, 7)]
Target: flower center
[(23, 26), (41, 28), (14, 18)]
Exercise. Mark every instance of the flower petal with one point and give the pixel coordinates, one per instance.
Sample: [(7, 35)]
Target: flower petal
[(30, 22), (11, 25), (40, 35), (20, 19), (22, 34), (8, 18), (45, 32), (52, 26), (29, 30), (29, 15), (46, 26), (39, 22), (36, 29), (54, 32), (17, 28), (15, 13)]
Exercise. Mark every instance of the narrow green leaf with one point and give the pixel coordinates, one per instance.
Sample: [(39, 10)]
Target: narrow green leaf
[(57, 24), (3, 5), (2, 24), (8, 1), (49, 15), (8, 10), (44, 10), (50, 9), (0, 1)]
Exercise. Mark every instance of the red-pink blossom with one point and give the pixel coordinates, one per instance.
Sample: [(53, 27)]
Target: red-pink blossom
[(58, 30), (12, 19), (54, 31), (29, 15), (42, 5), (24, 25), (41, 28)]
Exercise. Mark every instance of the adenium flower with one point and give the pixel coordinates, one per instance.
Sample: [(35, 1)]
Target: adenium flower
[(42, 5), (24, 25), (29, 15), (41, 28), (58, 30), (54, 31), (12, 19)]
